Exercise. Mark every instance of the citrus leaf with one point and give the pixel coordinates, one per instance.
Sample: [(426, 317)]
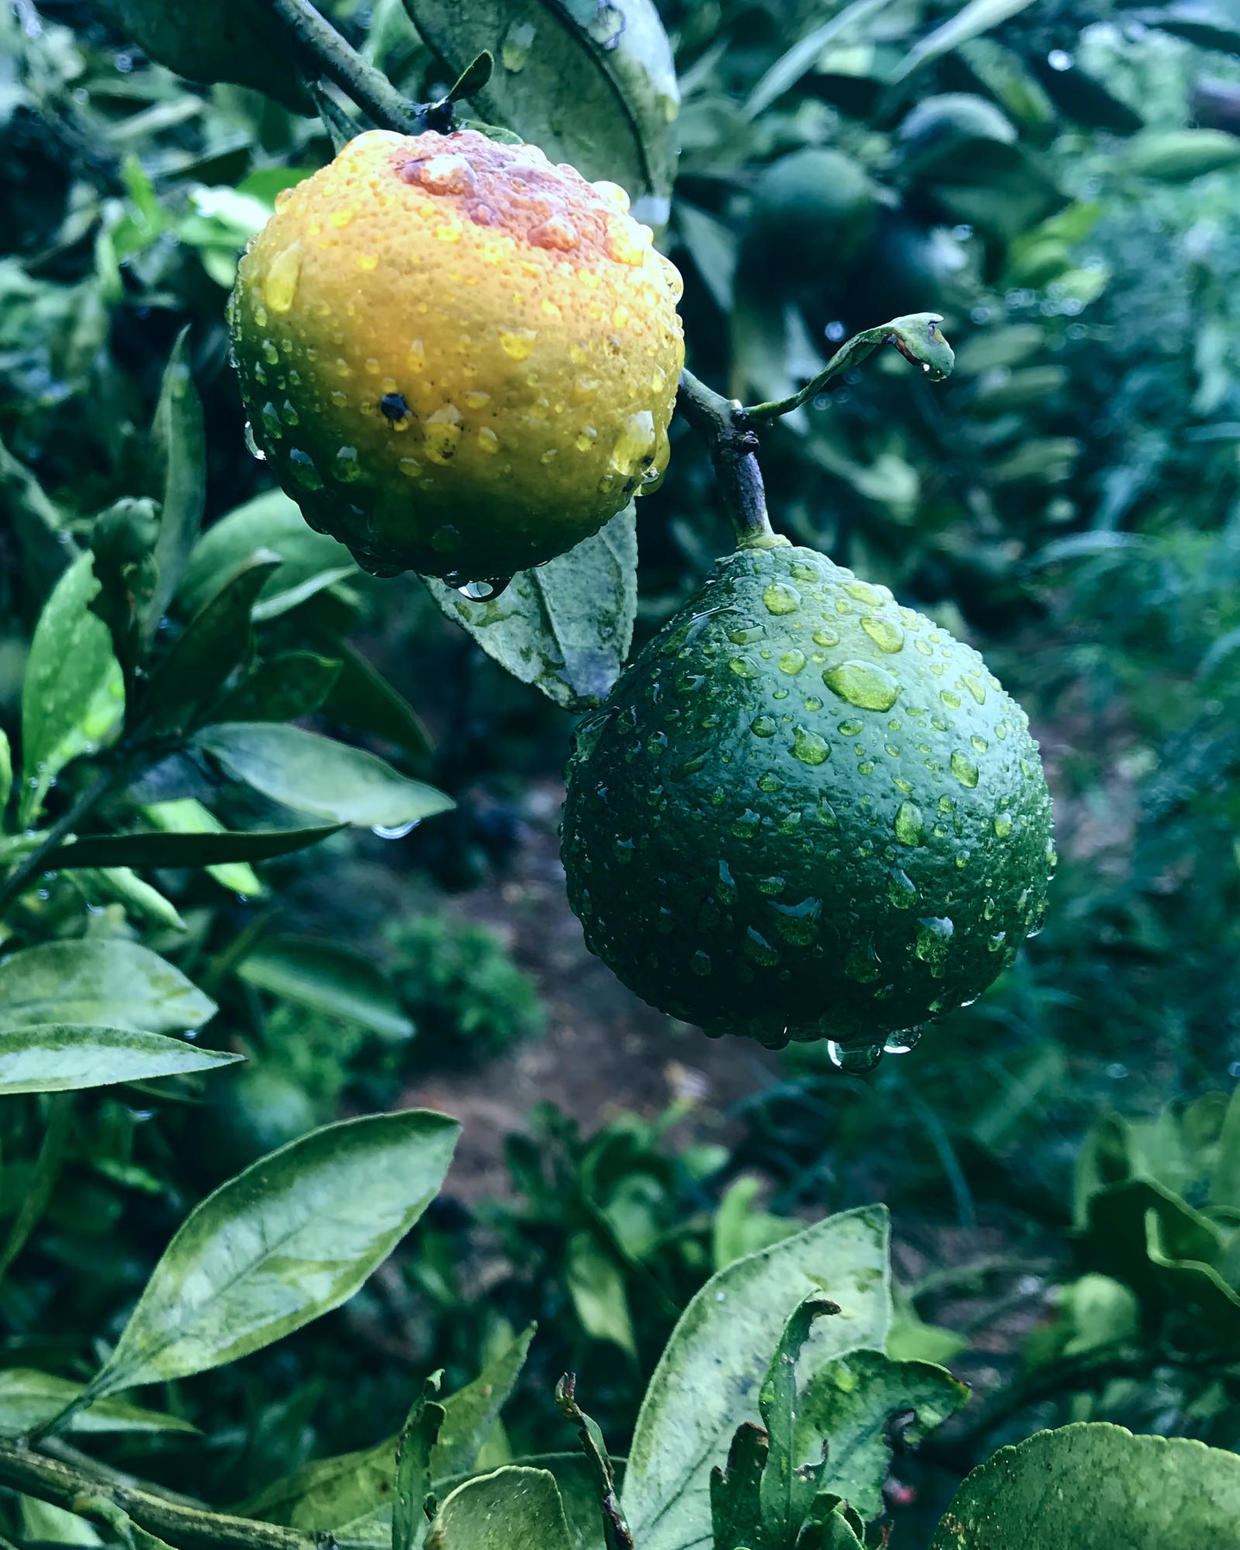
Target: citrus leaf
[(329, 978), (112, 983), (977, 17), (29, 1399), (363, 699), (140, 899), (186, 815), (592, 84), (802, 56), (65, 1057), (214, 848), (1095, 1484), (707, 1380), (289, 1239), (1179, 155), (513, 1509), (318, 775), (179, 444), (73, 694), (414, 1447), (565, 627), (284, 688)]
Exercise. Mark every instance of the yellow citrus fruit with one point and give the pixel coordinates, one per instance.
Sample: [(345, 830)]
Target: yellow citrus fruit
[(458, 358)]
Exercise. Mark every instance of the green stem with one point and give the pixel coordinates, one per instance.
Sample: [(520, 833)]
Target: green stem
[(916, 336), (327, 53), (733, 453), (184, 1527), (25, 873)]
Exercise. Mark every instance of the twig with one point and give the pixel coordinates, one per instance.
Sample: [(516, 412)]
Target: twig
[(733, 448), (329, 54)]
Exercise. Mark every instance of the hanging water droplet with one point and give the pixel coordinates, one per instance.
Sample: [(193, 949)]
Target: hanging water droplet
[(396, 831), (480, 591), (853, 1059), (901, 1042), (252, 446)]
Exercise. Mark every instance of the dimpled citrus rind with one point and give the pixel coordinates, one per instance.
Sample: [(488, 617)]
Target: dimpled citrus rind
[(806, 812), (455, 356)]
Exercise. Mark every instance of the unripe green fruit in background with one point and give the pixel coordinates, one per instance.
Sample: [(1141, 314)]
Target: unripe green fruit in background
[(806, 812)]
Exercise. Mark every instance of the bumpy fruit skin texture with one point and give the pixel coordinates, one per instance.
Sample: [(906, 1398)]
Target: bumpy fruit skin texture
[(806, 812), (457, 357)]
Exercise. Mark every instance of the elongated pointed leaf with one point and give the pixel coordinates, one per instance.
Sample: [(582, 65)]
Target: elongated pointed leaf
[(167, 849), (329, 978), (292, 1237), (362, 698), (284, 688), (180, 459), (567, 626), (591, 85), (114, 984), (63, 1057), (29, 1398), (977, 17), (186, 815), (708, 1377), (73, 695), (318, 775), (513, 1509), (414, 1447), (1096, 1485)]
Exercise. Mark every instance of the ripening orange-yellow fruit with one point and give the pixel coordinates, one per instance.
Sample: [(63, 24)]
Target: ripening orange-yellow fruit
[(458, 358)]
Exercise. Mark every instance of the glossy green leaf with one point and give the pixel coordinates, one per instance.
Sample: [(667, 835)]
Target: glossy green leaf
[(969, 21), (63, 1057), (565, 627), (311, 561), (708, 1377), (513, 1509), (318, 775), (1225, 1183), (140, 899), (179, 443), (73, 694), (592, 85), (114, 983), (217, 847), (185, 815), (1093, 1484), (29, 1398), (289, 1239), (284, 688), (329, 978), (215, 643)]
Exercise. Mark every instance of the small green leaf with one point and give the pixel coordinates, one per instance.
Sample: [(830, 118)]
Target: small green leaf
[(595, 1282), (513, 1509), (565, 627), (414, 1448), (592, 85), (1095, 1484), (29, 1399), (316, 775), (63, 1057), (786, 1493), (289, 1239), (179, 444), (1179, 155), (329, 978), (284, 688), (113, 983), (215, 643), (708, 1377), (736, 1488), (471, 1413), (73, 694), (6, 773), (139, 899), (215, 848), (185, 815)]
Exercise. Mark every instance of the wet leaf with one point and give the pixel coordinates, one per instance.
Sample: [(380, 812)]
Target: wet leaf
[(317, 775), (565, 627), (60, 1057), (592, 84), (98, 982), (186, 815), (414, 1448), (73, 695), (1095, 1484), (289, 1239)]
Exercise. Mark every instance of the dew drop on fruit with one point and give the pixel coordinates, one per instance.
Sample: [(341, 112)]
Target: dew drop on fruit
[(345, 465), (854, 1060), (517, 343), (781, 598), (280, 281), (763, 726), (792, 661), (809, 747), (909, 824), (901, 1042), (886, 634), (1002, 826), (862, 684), (252, 445), (442, 432), (270, 417), (901, 889), (635, 442), (964, 769), (303, 470)]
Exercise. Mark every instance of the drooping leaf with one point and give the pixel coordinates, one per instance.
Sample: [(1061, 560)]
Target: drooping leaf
[(64, 1057), (317, 775), (29, 1398), (565, 627), (179, 443), (513, 1509), (103, 983), (73, 694), (1179, 155), (708, 1377), (1095, 1484), (328, 978), (592, 85), (289, 1239)]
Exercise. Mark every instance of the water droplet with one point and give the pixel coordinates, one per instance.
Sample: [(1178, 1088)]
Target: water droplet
[(861, 964), (950, 698), (1002, 826), (280, 281), (975, 686), (635, 443), (345, 465), (270, 354), (862, 684), (909, 824), (515, 47), (396, 831), (517, 342), (252, 446), (586, 438), (792, 661), (270, 417), (809, 747), (303, 470), (995, 943), (744, 667), (854, 1060), (886, 634), (781, 598), (442, 431), (488, 441), (826, 636), (864, 592), (902, 1041), (480, 591), (852, 727), (901, 889), (763, 726), (964, 769), (700, 963)]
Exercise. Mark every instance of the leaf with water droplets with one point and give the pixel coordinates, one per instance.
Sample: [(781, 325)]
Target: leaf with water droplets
[(289, 1239), (73, 694), (593, 85), (566, 626)]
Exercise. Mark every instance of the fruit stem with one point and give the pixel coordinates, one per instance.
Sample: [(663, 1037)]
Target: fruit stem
[(733, 447), (916, 336), (329, 54)]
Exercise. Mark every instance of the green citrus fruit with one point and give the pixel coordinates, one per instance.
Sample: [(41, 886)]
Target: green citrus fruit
[(458, 358), (806, 812), (814, 210)]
